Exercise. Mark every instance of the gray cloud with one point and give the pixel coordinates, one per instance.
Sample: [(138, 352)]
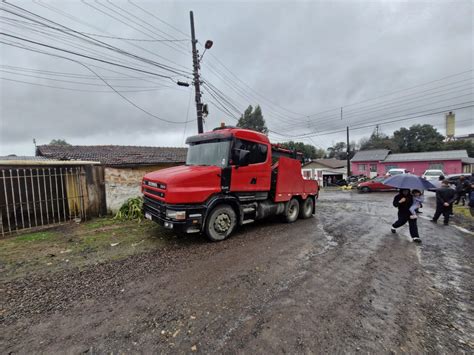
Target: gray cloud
[(305, 56)]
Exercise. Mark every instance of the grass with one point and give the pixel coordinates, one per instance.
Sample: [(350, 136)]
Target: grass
[(463, 211), (78, 245)]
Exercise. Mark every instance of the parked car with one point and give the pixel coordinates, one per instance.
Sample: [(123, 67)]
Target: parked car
[(432, 175), (376, 184), (454, 178), (396, 171), (340, 182)]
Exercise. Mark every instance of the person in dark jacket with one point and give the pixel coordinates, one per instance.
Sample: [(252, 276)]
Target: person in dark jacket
[(462, 188), (403, 201), (445, 196)]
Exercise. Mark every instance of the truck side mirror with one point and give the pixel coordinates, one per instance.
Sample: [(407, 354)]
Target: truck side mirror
[(241, 157), (244, 156)]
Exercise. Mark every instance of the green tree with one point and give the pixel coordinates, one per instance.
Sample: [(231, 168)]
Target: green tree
[(460, 145), (253, 119), (59, 142), (308, 150), (339, 151), (377, 141), (418, 138)]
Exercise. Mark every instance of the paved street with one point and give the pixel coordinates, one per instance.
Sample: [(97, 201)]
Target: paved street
[(337, 282)]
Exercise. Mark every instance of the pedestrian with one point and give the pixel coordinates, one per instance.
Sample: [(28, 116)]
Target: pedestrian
[(418, 200), (462, 188), (403, 201), (445, 196), (441, 179), (471, 199)]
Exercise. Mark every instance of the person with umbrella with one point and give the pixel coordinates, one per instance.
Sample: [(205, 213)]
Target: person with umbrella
[(404, 200)]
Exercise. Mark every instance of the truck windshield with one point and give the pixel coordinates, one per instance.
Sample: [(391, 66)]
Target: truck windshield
[(209, 153)]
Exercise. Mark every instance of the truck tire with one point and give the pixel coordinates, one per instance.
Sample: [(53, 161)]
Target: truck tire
[(306, 208), (221, 223), (292, 210)]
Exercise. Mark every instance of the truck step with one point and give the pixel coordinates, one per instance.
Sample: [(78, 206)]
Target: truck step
[(247, 221), (248, 209)]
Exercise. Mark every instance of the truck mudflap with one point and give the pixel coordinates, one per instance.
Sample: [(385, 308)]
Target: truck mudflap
[(181, 218)]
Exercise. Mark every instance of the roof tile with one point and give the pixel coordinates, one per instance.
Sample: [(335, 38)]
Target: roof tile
[(114, 155)]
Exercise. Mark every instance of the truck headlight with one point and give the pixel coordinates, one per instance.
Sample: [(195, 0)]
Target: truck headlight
[(178, 215)]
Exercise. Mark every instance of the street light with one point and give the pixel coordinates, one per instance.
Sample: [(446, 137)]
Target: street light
[(207, 46)]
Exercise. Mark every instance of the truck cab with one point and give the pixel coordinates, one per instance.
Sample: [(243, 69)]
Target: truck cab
[(231, 177)]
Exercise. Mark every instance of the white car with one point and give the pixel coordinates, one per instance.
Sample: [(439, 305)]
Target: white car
[(396, 171), (432, 175)]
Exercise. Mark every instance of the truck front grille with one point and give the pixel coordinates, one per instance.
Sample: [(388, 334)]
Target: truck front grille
[(154, 192)]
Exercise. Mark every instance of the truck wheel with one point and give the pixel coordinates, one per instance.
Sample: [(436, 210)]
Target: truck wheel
[(220, 223), (292, 209), (306, 210)]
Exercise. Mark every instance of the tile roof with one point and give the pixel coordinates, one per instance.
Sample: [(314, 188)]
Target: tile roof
[(114, 155), (371, 155), (440, 155), (23, 158), (330, 163)]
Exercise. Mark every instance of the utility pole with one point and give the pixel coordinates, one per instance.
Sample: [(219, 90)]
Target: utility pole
[(197, 81), (347, 152)]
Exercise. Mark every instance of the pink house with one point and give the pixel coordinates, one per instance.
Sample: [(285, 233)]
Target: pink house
[(378, 162)]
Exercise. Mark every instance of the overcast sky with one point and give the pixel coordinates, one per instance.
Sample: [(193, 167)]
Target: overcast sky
[(385, 62)]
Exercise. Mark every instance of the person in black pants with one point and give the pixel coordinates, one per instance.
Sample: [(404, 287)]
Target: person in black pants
[(403, 201), (445, 196)]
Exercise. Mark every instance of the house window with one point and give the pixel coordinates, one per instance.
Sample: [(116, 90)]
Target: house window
[(373, 168), (362, 167), (307, 174), (436, 166)]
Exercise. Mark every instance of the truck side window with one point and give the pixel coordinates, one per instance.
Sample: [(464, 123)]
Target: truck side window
[(258, 152)]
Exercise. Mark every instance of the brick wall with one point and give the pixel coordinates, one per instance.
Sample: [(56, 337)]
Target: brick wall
[(123, 183)]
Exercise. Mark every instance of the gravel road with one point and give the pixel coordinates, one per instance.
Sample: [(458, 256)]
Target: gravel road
[(339, 282)]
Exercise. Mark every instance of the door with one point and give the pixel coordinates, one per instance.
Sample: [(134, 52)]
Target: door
[(256, 176)]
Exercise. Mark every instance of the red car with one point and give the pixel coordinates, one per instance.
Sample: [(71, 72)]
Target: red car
[(376, 184)]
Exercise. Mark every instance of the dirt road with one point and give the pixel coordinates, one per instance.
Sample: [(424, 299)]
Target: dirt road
[(338, 282)]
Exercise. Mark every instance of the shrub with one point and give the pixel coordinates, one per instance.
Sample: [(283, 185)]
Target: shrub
[(131, 210)]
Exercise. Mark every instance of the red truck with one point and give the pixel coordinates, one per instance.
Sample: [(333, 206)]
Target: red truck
[(232, 177)]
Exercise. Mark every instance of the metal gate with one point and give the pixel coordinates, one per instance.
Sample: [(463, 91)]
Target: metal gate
[(37, 197)]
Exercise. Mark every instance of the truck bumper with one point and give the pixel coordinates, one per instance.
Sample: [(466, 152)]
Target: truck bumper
[(155, 210)]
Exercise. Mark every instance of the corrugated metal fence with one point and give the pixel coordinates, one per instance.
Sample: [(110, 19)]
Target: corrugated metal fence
[(36, 197)]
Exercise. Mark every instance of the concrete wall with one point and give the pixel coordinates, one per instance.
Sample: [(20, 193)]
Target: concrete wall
[(123, 183)]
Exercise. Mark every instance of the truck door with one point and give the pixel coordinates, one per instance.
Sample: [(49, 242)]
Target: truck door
[(256, 176)]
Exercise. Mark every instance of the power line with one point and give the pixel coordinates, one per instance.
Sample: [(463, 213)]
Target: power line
[(85, 56), (71, 75), (159, 19), (105, 82), (141, 20), (110, 37), (84, 90), (81, 36), (353, 117), (418, 115), (391, 104), (76, 46), (73, 18), (129, 25)]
